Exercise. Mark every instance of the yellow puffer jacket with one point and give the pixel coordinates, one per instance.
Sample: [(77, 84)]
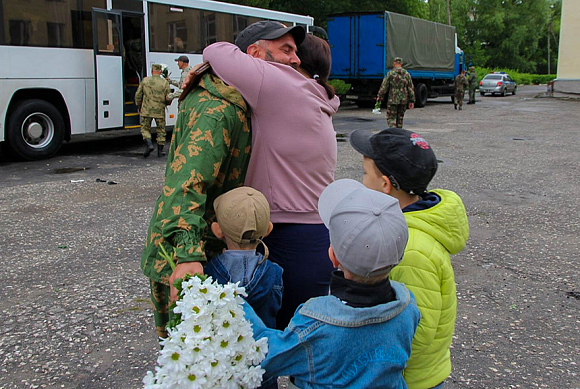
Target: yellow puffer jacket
[(426, 270)]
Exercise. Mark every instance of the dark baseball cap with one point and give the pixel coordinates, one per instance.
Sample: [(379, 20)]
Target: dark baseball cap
[(183, 58), (269, 30), (400, 154)]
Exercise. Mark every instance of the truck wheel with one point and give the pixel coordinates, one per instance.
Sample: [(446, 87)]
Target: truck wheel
[(35, 130), (421, 95)]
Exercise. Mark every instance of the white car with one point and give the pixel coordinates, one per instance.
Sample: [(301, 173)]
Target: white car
[(498, 82)]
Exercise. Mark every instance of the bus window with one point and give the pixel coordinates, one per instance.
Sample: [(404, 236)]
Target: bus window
[(174, 29), (47, 23)]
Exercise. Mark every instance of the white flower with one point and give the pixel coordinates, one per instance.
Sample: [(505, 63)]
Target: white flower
[(212, 346)]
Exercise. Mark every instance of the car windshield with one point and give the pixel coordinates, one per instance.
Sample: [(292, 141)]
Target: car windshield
[(492, 77)]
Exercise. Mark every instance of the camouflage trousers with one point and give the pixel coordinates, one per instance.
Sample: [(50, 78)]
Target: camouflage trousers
[(146, 128), (160, 299), (472, 94), (459, 96), (395, 115)]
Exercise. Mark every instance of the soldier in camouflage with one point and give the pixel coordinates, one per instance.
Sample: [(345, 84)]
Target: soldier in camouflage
[(398, 86), (208, 156), (150, 99), (459, 85), (472, 80), (183, 65)]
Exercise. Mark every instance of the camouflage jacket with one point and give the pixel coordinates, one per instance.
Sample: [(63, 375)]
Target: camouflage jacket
[(472, 79), (209, 155), (150, 96), (177, 93), (398, 86), (460, 82)]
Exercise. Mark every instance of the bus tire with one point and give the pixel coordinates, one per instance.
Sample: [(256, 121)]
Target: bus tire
[(35, 130), (421, 96)]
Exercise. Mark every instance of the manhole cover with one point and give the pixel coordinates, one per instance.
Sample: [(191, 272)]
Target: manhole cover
[(66, 170)]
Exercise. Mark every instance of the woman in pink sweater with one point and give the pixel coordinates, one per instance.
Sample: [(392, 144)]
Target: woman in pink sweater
[(293, 151)]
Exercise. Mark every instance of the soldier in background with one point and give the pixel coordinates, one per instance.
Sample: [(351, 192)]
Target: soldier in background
[(472, 80), (183, 65), (398, 86), (151, 101), (459, 85)]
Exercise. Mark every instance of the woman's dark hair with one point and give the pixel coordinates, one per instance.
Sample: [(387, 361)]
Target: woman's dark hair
[(315, 59)]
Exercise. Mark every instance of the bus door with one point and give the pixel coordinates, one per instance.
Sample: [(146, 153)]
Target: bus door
[(133, 63), (108, 47)]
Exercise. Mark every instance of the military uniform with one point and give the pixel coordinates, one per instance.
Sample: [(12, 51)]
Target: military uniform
[(459, 85), (472, 80), (177, 93), (150, 99), (208, 156), (398, 86)]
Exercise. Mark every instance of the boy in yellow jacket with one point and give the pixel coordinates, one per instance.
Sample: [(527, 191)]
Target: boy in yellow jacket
[(401, 164)]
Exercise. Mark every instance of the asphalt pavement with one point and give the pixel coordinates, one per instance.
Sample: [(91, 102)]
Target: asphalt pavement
[(75, 306)]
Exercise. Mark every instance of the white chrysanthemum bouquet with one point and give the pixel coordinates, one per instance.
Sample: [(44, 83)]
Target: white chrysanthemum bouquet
[(210, 343)]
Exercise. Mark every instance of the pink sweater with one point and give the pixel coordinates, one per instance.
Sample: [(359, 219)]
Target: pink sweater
[(293, 141)]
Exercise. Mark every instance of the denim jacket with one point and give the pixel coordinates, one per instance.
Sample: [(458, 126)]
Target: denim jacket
[(329, 344), (261, 278)]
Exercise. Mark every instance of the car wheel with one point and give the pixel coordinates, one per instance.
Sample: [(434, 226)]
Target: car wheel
[(503, 92), (482, 93), (35, 130), (514, 92)]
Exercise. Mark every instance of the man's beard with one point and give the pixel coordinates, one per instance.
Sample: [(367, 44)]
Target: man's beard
[(270, 58)]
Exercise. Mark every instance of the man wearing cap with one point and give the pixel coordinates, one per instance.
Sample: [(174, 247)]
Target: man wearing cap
[(402, 163), (472, 80), (183, 65), (150, 100), (459, 84), (398, 86), (294, 149), (360, 334)]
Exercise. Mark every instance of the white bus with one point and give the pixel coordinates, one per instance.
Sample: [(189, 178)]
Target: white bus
[(71, 67)]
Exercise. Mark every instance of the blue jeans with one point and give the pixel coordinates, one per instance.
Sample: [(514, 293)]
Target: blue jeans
[(440, 386), (302, 251)]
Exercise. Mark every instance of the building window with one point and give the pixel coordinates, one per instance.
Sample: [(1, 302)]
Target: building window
[(20, 32), (210, 29), (177, 37), (55, 34)]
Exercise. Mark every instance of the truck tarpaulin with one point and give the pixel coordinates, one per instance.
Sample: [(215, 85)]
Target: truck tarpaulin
[(421, 43)]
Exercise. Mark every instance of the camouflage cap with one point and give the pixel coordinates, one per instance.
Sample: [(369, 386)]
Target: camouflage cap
[(398, 60), (472, 68), (156, 67)]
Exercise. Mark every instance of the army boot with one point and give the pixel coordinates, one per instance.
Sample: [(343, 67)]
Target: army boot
[(160, 152), (148, 148)]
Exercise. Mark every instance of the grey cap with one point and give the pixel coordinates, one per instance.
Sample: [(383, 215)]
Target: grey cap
[(183, 58), (368, 231), (268, 30)]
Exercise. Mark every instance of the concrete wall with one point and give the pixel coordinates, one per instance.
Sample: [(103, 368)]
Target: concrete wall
[(568, 80)]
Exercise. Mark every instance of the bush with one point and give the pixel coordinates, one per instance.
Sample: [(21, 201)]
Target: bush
[(519, 78), (340, 87)]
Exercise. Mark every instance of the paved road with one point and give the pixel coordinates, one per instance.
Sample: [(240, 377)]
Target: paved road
[(75, 306)]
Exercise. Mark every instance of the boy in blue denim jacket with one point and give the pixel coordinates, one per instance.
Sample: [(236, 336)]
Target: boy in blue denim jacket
[(243, 219), (360, 335)]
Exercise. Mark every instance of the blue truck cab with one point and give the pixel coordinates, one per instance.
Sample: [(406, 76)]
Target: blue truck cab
[(364, 45)]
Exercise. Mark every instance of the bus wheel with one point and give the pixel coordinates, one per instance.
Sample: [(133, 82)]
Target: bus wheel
[(422, 94), (35, 130)]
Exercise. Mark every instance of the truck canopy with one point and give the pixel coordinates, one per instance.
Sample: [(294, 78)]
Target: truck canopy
[(423, 45)]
